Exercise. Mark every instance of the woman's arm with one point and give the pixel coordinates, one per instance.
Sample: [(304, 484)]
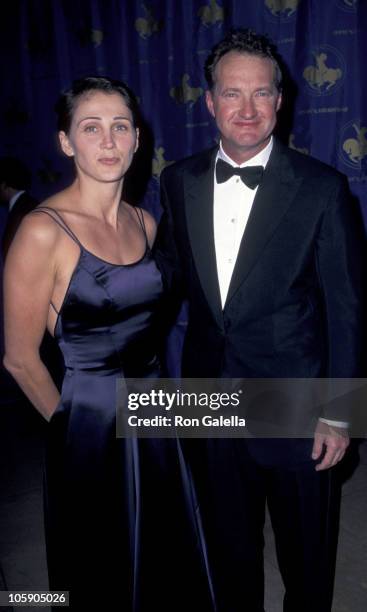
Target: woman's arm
[(29, 278)]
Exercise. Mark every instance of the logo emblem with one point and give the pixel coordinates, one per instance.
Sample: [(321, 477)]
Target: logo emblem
[(282, 8), (88, 35), (97, 37), (326, 72), (159, 163), (347, 5), (184, 93), (211, 13), (353, 144), (148, 25), (292, 145)]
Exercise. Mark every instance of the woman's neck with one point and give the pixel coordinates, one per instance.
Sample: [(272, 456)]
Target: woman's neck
[(97, 199)]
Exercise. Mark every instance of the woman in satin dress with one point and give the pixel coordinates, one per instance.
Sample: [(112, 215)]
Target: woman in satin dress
[(121, 521)]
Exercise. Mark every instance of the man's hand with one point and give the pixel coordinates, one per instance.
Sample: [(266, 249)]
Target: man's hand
[(336, 440)]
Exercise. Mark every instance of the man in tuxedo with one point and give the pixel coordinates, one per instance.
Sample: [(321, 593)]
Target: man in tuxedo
[(269, 253), (15, 181)]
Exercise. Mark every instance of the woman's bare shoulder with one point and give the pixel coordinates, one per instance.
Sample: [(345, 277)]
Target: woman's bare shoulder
[(148, 219), (150, 226), (149, 222), (39, 228)]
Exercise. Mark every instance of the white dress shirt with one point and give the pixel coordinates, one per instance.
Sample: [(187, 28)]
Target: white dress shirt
[(232, 206)]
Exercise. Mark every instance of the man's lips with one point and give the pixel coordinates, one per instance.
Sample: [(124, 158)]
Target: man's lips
[(248, 124)]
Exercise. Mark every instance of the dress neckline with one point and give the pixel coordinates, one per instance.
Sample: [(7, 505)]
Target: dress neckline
[(85, 251), (116, 265), (58, 218)]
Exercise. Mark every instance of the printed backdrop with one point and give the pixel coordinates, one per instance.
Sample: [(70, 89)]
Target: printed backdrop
[(159, 48)]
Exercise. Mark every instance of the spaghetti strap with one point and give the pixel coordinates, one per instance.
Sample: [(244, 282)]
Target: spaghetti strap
[(54, 307), (55, 215), (140, 215)]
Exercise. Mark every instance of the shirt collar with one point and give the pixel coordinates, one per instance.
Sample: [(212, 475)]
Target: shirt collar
[(14, 198), (260, 159)]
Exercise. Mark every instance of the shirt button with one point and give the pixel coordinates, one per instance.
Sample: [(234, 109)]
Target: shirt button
[(237, 180), (233, 220), (230, 260)]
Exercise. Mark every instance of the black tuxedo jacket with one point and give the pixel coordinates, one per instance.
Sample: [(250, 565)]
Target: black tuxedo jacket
[(24, 204), (294, 306)]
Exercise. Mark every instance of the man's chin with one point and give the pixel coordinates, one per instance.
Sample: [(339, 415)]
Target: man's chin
[(252, 146)]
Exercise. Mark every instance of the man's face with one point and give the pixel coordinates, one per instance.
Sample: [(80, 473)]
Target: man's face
[(244, 102)]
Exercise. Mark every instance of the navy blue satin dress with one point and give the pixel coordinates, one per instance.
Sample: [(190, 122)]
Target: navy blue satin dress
[(121, 521)]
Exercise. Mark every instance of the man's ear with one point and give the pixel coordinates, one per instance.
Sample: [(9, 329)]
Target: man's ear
[(279, 102), (209, 102), (65, 144)]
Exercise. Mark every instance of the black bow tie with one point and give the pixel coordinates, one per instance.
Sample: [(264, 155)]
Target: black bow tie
[(251, 175)]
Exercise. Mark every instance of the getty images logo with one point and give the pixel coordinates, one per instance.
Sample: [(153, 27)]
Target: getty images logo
[(165, 400)]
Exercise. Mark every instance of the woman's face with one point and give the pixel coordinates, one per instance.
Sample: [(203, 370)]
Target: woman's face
[(102, 138)]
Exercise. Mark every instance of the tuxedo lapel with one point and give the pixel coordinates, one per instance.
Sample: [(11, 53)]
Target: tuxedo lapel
[(274, 196), (199, 196)]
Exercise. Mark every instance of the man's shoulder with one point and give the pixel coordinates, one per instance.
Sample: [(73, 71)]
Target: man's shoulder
[(310, 166), (192, 164)]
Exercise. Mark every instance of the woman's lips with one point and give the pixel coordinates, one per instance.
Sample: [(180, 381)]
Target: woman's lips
[(108, 161)]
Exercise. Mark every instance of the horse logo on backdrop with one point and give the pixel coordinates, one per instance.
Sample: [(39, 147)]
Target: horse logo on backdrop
[(292, 145), (325, 72), (355, 146), (97, 37), (148, 25), (348, 5), (159, 163), (211, 13), (184, 93), (282, 8), (87, 35)]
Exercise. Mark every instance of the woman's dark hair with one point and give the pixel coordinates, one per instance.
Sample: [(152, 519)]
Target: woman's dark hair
[(243, 40), (82, 87)]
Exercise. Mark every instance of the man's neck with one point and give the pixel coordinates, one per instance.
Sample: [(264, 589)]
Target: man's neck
[(260, 158)]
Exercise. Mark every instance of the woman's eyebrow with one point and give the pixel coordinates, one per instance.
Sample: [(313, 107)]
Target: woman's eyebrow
[(100, 118)]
